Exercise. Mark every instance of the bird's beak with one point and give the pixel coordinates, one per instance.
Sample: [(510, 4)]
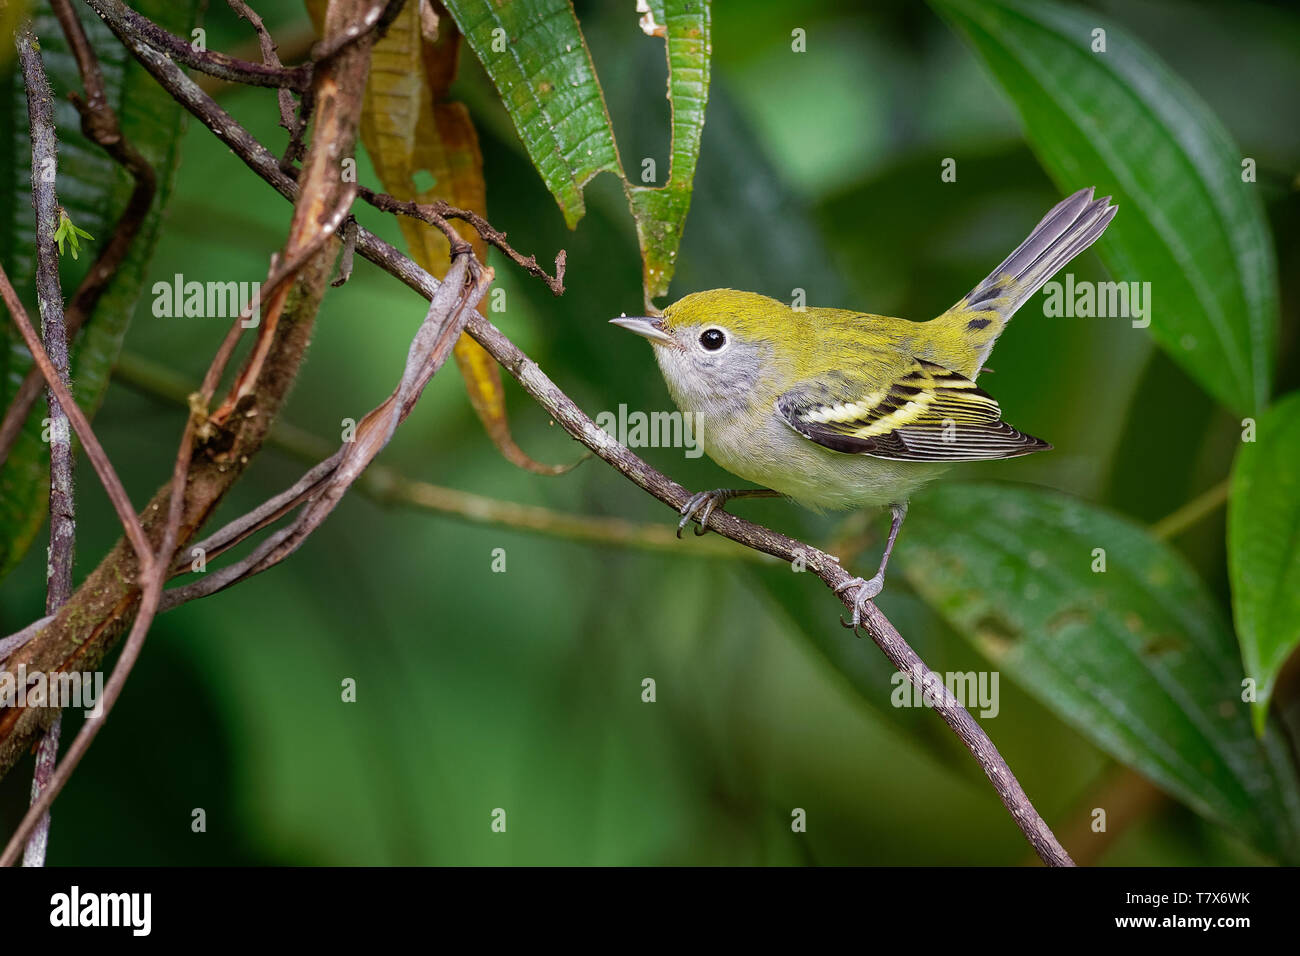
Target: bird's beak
[(651, 329)]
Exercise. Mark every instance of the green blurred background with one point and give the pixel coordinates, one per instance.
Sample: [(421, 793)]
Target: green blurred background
[(522, 690)]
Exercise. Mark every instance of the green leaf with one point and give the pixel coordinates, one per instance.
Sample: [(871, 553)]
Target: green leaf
[(68, 231), (535, 53), (1264, 547), (1121, 120), (660, 211), (1137, 658), (93, 190), (536, 56)]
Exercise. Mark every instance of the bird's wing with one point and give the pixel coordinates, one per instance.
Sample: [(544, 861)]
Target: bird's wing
[(926, 413)]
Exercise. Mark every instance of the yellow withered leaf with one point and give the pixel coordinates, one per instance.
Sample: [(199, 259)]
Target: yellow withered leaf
[(425, 148)]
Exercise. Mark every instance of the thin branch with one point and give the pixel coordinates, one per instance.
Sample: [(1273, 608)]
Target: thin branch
[(1187, 516), (374, 25), (47, 753), (54, 333), (293, 45), (94, 451), (306, 240), (49, 295), (437, 213), (448, 311), (270, 56), (16, 640), (276, 288), (212, 62)]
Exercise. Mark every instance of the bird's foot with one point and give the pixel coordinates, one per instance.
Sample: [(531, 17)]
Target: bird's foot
[(700, 507), (868, 589)]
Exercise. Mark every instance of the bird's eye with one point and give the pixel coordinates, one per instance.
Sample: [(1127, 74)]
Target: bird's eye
[(713, 339)]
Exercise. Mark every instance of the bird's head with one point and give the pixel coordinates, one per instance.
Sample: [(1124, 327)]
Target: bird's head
[(714, 347)]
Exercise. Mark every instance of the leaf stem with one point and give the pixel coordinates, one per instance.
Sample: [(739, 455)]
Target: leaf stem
[(1189, 514)]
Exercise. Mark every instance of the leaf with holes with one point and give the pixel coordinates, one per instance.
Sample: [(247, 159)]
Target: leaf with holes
[(660, 211), (535, 55)]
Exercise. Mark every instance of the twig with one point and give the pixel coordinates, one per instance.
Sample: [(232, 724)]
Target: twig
[(94, 451), (99, 124), (47, 752), (437, 213), (448, 311), (293, 45), (374, 25), (54, 333), (1188, 515), (270, 56), (16, 640), (265, 514), (276, 288), (207, 61), (306, 240)]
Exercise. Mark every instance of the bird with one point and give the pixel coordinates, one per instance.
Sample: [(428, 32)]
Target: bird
[(836, 409)]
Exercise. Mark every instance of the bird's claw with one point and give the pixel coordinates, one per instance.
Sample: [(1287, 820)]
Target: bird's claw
[(868, 589), (704, 503)]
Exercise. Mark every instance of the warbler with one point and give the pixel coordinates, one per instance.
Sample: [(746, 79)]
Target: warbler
[(838, 409)]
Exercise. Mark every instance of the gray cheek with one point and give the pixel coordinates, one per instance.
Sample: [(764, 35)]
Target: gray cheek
[(733, 375), (721, 383)]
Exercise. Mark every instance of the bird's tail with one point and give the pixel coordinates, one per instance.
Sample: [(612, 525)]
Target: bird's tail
[(1070, 227)]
